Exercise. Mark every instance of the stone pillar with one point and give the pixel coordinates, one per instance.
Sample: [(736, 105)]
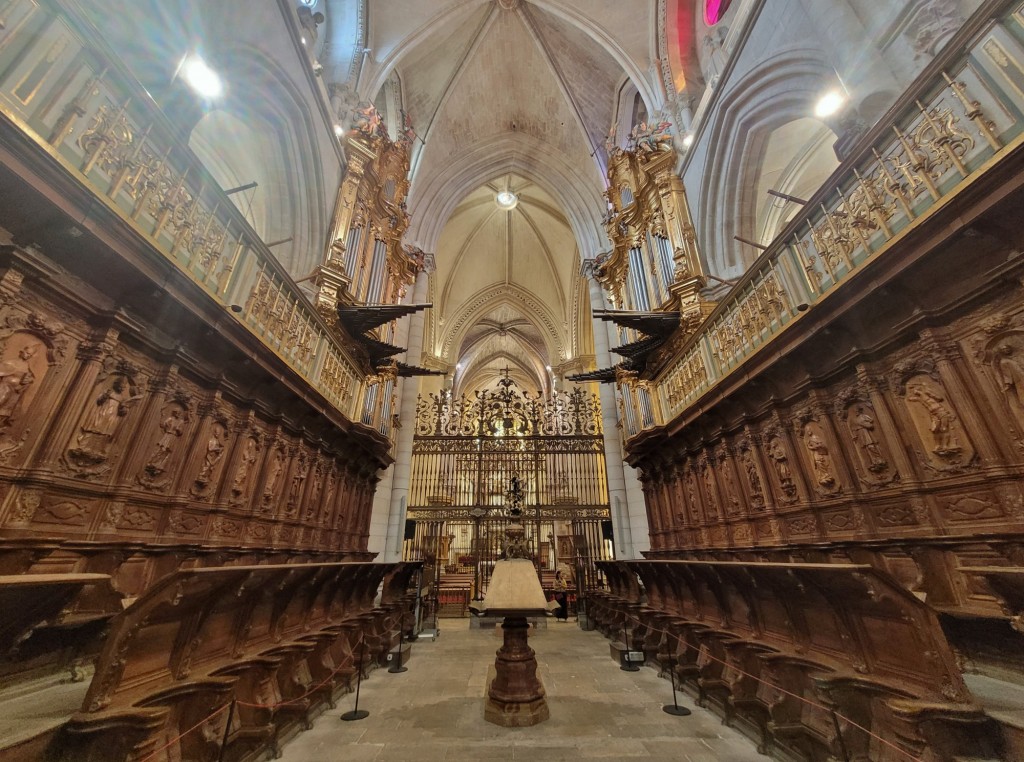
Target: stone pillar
[(393, 493), (629, 517)]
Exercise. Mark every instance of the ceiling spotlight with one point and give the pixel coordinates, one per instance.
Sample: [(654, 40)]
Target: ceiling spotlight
[(506, 200), (201, 78), (688, 140), (829, 104)]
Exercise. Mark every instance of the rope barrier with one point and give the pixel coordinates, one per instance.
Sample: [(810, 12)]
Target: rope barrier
[(733, 667), (152, 755), (169, 744)]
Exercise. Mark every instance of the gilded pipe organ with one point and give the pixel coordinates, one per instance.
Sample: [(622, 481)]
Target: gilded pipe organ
[(654, 263), (367, 264)]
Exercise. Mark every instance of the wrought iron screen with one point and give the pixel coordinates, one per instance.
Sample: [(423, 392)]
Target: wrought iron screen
[(465, 452)]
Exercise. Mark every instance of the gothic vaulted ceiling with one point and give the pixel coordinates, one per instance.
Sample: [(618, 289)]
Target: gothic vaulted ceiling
[(511, 95)]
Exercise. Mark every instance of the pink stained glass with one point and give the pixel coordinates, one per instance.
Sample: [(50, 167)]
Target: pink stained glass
[(714, 10)]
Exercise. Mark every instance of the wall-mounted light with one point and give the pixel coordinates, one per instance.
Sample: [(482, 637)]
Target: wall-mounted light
[(829, 104), (339, 130), (688, 140), (200, 77)]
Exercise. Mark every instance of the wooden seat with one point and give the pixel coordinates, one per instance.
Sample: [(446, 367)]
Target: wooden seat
[(275, 640), (784, 646)]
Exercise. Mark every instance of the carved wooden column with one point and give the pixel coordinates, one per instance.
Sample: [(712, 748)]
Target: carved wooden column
[(759, 467), (678, 520), (649, 477)]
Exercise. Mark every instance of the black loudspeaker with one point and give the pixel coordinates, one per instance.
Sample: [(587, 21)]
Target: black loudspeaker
[(410, 529), (606, 530)]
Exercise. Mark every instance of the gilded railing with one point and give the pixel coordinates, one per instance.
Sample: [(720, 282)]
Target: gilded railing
[(969, 116), (64, 90)]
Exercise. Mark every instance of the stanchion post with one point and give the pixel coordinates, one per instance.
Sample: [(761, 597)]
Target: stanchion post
[(839, 735), (357, 713), (674, 709), (396, 665), (628, 666), (227, 732)]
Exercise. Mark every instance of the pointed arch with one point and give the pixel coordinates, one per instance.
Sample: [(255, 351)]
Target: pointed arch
[(782, 89)]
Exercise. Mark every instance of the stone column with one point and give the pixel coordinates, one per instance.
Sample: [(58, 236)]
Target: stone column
[(393, 493), (629, 517)]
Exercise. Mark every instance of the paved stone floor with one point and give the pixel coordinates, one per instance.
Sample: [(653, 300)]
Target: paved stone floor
[(435, 710)]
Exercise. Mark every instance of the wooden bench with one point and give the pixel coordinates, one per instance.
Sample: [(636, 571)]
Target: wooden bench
[(753, 639), (276, 641)]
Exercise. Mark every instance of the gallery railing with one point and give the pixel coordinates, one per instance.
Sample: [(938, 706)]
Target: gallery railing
[(68, 92), (964, 119)]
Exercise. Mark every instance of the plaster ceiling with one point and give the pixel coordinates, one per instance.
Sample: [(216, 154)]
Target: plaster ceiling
[(517, 94)]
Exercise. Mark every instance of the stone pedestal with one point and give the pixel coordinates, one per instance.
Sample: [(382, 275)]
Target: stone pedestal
[(515, 698)]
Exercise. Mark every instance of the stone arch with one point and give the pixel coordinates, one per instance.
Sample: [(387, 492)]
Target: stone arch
[(782, 89), (431, 204), (486, 300), (263, 129)]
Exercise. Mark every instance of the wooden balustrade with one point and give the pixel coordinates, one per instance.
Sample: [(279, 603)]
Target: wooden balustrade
[(246, 653), (822, 660)]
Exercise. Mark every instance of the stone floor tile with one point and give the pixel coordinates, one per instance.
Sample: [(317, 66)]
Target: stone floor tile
[(434, 711)]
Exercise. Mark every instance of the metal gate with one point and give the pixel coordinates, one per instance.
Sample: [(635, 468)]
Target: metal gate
[(466, 450)]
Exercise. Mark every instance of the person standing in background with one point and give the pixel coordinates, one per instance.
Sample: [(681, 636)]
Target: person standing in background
[(561, 596)]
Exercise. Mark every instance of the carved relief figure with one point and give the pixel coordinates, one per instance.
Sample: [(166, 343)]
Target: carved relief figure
[(274, 477), (1010, 371), (691, 494), (753, 478), (332, 483), (102, 421), (780, 461), (730, 486), (945, 441), (298, 482), (312, 500), (214, 454), (709, 488), (821, 459), (171, 427), (240, 484), (16, 377), (861, 421)]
